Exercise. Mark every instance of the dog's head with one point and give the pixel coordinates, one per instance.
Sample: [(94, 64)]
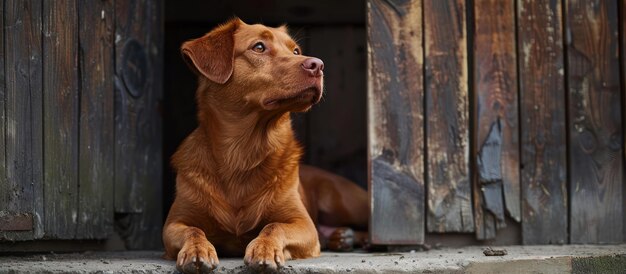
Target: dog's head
[(254, 67)]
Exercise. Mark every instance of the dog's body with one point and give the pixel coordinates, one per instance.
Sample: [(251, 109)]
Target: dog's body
[(240, 189)]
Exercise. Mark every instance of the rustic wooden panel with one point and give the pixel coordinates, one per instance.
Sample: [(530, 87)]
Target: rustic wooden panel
[(447, 126), (623, 56), (595, 125), (337, 132), (138, 91), (22, 190), (61, 102), (542, 116), (95, 166), (395, 128), (4, 189), (496, 99)]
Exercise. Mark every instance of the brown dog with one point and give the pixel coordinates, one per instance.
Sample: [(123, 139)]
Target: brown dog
[(239, 188)]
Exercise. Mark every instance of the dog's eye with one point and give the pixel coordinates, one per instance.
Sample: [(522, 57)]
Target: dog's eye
[(296, 51), (259, 47)]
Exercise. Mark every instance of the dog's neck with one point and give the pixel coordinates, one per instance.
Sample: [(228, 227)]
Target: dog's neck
[(242, 142)]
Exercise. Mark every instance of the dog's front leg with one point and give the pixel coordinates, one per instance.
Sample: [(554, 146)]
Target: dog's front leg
[(194, 253), (280, 241)]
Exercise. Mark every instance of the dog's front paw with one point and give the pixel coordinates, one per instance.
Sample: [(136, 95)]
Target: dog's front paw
[(264, 253), (197, 257)]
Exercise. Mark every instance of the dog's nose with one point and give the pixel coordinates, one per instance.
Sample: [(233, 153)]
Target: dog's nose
[(313, 66)]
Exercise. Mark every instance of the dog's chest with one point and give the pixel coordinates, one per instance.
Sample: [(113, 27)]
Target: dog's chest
[(239, 217)]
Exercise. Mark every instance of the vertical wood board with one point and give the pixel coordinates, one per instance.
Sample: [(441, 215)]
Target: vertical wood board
[(447, 109), (22, 189), (395, 121), (595, 125), (60, 121), (543, 127), (138, 131), (495, 82), (96, 36)]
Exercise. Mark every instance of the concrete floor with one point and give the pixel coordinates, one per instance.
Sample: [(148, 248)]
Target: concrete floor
[(519, 259)]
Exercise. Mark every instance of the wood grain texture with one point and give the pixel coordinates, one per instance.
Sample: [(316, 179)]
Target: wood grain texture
[(4, 187), (61, 103), (340, 146), (595, 125), (495, 80), (138, 129), (22, 189), (543, 126), (395, 126), (95, 166), (623, 58), (447, 126)]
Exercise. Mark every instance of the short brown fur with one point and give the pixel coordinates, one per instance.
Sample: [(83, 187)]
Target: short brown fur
[(238, 178)]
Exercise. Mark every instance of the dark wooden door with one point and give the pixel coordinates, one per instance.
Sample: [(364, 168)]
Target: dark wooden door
[(80, 139)]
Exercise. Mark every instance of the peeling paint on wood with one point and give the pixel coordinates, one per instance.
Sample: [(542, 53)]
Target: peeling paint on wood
[(595, 125), (490, 173), (447, 126), (495, 80), (542, 122), (395, 105)]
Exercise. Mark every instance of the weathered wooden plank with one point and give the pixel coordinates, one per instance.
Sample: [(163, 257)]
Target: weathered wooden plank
[(595, 125), (496, 98), (395, 128), (4, 187), (623, 56), (3, 171), (138, 90), (95, 166), (339, 146), (490, 172), (23, 75), (61, 103), (542, 116), (447, 126)]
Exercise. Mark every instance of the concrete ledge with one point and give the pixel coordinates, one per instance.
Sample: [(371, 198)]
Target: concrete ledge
[(520, 259)]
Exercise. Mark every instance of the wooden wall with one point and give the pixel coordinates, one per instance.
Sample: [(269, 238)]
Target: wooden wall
[(80, 138), (487, 113)]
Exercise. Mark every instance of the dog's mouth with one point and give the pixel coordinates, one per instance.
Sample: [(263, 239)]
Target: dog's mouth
[(309, 96)]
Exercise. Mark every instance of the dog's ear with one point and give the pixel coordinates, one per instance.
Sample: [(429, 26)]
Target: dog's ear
[(212, 54)]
